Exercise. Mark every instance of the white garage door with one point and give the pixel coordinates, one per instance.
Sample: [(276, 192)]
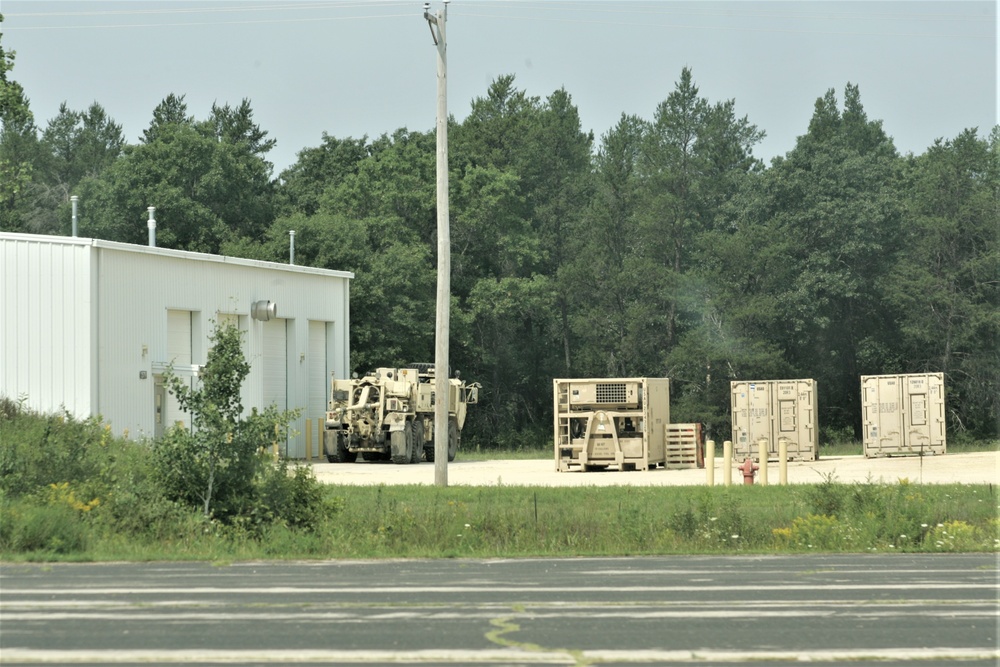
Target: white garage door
[(179, 337), (179, 346), (318, 379), (275, 362)]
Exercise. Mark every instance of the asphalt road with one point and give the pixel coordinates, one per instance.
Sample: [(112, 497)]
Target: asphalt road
[(713, 610)]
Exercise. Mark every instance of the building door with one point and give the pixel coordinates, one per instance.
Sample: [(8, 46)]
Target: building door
[(275, 366), (159, 407), (179, 345), (319, 380)]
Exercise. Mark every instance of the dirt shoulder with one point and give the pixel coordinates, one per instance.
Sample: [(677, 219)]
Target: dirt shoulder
[(975, 468)]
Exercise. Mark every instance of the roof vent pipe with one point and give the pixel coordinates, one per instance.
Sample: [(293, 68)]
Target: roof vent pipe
[(152, 227), (73, 200), (291, 246)]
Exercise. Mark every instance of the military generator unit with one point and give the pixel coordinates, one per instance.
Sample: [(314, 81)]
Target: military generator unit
[(611, 422), (389, 415)]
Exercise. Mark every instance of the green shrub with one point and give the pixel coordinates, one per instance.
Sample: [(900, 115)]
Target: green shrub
[(953, 536), (215, 466), (9, 409), (816, 532), (296, 498), (37, 450), (829, 497), (47, 527)]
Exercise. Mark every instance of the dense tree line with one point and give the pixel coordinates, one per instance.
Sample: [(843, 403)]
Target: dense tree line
[(663, 248)]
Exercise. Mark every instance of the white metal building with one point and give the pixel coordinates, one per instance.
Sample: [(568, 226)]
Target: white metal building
[(89, 327)]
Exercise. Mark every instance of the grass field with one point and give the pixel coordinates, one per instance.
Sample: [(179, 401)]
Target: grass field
[(511, 521), (69, 491)]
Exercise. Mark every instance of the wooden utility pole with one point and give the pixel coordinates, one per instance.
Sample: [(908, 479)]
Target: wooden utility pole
[(442, 398)]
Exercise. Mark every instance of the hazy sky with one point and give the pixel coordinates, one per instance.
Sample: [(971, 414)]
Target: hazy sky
[(926, 69)]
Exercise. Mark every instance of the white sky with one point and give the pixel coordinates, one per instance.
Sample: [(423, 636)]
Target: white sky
[(926, 69)]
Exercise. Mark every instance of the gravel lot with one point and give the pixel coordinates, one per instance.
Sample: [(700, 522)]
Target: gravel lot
[(977, 468)]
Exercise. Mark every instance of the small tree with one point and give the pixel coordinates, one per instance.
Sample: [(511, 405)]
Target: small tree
[(215, 464)]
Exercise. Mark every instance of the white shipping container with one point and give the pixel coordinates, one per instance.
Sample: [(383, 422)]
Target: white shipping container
[(775, 410), (903, 415)]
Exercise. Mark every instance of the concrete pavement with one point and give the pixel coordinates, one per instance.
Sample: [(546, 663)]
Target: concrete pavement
[(974, 468)]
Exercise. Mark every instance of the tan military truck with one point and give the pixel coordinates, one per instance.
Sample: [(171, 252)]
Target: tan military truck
[(389, 415)]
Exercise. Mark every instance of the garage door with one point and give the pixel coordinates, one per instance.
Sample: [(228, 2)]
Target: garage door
[(179, 337), (318, 381), (275, 362), (168, 411)]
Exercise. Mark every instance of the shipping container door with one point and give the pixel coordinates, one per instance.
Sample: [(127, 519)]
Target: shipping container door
[(935, 412), (760, 407), (752, 411), (923, 423), (883, 415), (795, 419)]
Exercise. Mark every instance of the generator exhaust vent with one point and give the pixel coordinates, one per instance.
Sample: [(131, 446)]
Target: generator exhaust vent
[(263, 310)]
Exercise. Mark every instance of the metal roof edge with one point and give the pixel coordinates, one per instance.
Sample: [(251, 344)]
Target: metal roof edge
[(170, 252)]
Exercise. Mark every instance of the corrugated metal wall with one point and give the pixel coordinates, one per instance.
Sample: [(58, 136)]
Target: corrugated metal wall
[(80, 304), (47, 330)]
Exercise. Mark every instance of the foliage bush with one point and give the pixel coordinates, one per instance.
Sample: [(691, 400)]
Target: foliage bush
[(39, 450), (218, 463), (47, 528), (66, 484)]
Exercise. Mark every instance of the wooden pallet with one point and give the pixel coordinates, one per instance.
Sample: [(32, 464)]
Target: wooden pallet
[(684, 446)]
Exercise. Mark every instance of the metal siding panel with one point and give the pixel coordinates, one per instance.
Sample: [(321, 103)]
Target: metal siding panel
[(128, 312), (41, 283), (14, 274), (29, 344)]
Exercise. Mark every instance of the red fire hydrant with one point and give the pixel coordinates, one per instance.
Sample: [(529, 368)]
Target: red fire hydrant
[(749, 469)]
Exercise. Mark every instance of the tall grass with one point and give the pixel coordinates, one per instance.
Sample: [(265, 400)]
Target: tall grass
[(512, 521), (71, 491)]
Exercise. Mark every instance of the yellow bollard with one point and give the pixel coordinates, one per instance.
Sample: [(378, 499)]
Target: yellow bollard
[(309, 439), (762, 454), (782, 461), (710, 462), (727, 462)]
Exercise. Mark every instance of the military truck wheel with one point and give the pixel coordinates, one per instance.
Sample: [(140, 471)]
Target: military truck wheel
[(343, 453), (417, 437), (453, 439), (401, 445), (429, 452)]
